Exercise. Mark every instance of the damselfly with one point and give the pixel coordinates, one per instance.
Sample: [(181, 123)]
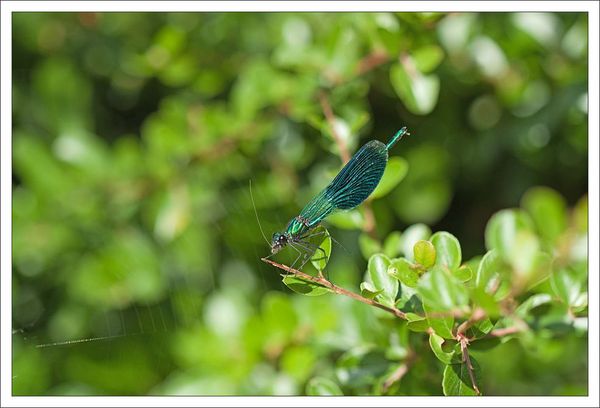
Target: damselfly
[(353, 184)]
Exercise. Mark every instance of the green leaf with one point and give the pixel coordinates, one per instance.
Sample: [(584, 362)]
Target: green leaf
[(490, 269), (442, 325), (541, 268), (427, 58), (424, 253), (321, 256), (447, 250), (456, 380), (397, 352), (392, 245), (525, 250), (580, 303), (257, 85), (404, 271), (532, 302), (486, 301), (378, 273), (548, 210), (409, 301), (417, 323), (322, 386), (394, 173), (517, 256), (435, 342), (580, 215), (501, 230), (298, 361), (442, 322), (368, 290), (556, 317), (304, 287), (566, 285), (441, 291), (347, 219), (473, 263), (418, 92), (360, 366), (488, 343), (410, 237), (368, 246), (494, 274), (463, 274), (480, 328)]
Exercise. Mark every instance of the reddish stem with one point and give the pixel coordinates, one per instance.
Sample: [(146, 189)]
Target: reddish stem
[(336, 289)]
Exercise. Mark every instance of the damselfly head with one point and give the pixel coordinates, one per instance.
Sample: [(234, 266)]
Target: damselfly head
[(278, 241)]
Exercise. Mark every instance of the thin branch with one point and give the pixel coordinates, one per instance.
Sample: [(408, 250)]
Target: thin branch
[(477, 315), (409, 66), (371, 61), (365, 65), (330, 117), (400, 371), (467, 361), (369, 225), (519, 326), (319, 280), (506, 331)]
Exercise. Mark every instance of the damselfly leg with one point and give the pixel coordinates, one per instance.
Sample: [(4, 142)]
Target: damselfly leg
[(304, 254), (310, 250), (305, 242)]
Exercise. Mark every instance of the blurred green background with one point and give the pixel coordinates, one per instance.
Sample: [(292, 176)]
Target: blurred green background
[(136, 251)]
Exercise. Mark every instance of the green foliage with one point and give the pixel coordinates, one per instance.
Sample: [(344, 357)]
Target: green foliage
[(418, 91), (136, 251), (321, 256), (405, 272), (459, 308), (382, 281), (457, 380), (548, 210), (436, 342), (424, 253), (322, 386), (447, 249), (411, 236), (395, 171), (441, 291), (368, 245), (304, 287)]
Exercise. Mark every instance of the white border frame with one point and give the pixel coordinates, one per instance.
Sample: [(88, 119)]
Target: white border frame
[(8, 7)]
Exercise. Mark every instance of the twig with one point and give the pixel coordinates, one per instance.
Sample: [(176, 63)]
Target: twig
[(369, 225), (365, 65), (477, 315), (505, 331), (400, 371), (371, 61), (409, 66), (336, 289), (330, 117), (467, 361)]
